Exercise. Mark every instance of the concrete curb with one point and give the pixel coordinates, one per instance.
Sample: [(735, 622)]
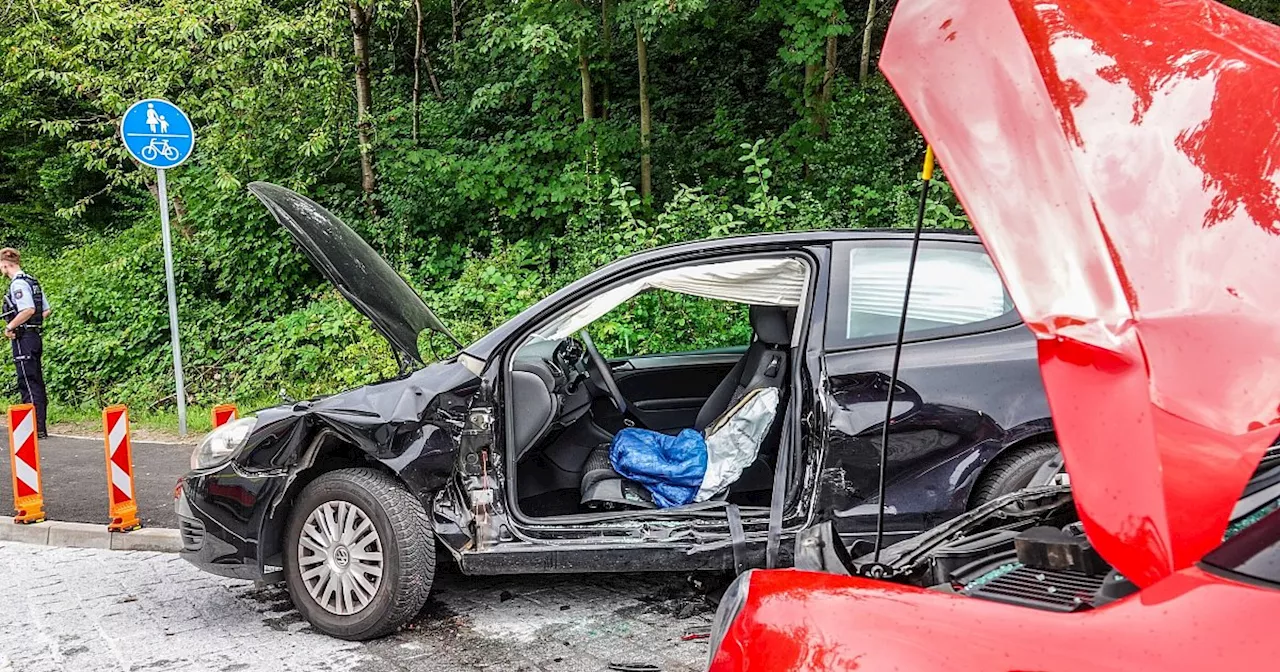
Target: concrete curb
[(86, 535), (184, 443)]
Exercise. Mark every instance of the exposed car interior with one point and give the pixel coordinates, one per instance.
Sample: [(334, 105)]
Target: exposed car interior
[(568, 401)]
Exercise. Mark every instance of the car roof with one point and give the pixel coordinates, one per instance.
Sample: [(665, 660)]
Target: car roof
[(824, 236), (797, 239), (677, 253)]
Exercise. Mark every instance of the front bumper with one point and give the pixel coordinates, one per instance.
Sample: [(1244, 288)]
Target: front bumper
[(206, 551), (220, 518)]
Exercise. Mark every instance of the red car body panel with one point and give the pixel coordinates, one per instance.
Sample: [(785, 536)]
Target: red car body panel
[(1191, 620), (1119, 161)]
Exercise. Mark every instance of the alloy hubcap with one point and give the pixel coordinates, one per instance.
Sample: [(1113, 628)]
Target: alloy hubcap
[(340, 557)]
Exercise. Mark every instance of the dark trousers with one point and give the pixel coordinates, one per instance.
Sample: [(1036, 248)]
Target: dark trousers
[(28, 352)]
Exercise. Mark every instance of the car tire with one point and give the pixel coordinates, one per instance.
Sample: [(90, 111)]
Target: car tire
[(1013, 471), (390, 589)]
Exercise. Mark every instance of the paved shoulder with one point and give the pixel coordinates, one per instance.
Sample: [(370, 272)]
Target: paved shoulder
[(82, 609)]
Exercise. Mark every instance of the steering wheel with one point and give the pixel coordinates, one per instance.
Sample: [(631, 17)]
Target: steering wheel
[(606, 373)]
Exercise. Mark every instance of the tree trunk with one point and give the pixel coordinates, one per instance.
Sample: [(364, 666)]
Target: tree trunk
[(361, 19), (865, 68), (828, 83), (455, 8), (584, 69), (417, 60), (431, 76), (606, 39), (646, 122)]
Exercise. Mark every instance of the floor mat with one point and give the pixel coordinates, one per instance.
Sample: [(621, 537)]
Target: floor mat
[(552, 503)]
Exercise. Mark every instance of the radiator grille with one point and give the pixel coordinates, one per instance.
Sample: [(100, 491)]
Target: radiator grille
[(1055, 590)]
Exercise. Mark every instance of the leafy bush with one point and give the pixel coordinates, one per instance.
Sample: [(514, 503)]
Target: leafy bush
[(489, 194)]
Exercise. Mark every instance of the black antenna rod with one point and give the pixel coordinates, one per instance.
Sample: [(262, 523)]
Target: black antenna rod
[(897, 348)]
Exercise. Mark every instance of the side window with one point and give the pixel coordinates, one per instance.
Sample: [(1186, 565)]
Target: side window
[(956, 290)]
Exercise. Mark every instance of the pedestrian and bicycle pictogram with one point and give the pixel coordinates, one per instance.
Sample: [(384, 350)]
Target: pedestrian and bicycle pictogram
[(123, 506), (157, 133), (24, 456)]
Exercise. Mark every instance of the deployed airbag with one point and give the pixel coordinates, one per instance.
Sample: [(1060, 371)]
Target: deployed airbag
[(734, 442), (769, 282)]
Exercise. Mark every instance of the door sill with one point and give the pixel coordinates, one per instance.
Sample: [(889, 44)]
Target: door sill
[(647, 556), (691, 512)]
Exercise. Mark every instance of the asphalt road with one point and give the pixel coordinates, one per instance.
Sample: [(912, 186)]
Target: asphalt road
[(73, 473), (85, 609)]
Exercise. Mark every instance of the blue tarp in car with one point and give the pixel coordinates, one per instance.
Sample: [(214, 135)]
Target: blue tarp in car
[(670, 467)]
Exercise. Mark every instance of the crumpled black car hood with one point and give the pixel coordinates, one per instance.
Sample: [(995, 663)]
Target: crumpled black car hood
[(410, 424)]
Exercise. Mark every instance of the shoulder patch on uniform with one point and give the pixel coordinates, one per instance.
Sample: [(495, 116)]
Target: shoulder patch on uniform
[(17, 294)]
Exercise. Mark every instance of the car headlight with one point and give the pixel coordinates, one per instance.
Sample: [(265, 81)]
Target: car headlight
[(222, 443), (735, 597)]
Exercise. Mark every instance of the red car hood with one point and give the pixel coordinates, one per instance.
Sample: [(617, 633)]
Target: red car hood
[(1119, 160)]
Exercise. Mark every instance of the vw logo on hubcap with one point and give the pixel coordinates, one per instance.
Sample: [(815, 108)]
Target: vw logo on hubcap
[(341, 556)]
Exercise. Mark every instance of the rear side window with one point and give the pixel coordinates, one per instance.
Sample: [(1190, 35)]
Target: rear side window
[(956, 290)]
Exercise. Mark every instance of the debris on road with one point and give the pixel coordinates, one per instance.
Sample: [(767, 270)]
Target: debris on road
[(142, 610)]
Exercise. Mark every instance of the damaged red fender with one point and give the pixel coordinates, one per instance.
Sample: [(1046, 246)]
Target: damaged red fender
[(1119, 160)]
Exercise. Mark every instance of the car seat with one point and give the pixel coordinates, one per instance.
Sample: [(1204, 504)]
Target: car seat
[(763, 365)]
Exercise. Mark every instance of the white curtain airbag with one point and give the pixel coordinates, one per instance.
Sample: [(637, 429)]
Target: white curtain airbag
[(774, 282)]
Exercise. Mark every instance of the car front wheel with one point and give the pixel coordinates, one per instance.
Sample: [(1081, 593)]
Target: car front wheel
[(359, 554)]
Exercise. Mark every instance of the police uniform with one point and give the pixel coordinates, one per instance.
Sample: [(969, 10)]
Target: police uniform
[(28, 350)]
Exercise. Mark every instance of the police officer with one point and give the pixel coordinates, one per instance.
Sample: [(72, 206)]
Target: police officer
[(23, 313)]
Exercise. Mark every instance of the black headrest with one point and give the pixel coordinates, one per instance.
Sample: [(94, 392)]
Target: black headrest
[(772, 324)]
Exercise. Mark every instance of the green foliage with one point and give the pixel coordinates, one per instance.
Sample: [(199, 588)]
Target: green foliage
[(1268, 10), (504, 195), (659, 321)]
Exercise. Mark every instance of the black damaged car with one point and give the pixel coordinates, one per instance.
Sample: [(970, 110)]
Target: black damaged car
[(500, 453)]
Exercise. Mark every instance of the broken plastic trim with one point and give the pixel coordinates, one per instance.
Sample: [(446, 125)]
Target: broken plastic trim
[(901, 557), (819, 549)]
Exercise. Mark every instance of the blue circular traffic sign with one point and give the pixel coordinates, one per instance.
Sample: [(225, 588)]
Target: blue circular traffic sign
[(157, 133)]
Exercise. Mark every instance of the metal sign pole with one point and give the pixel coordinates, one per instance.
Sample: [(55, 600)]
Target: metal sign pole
[(173, 302), (159, 135)]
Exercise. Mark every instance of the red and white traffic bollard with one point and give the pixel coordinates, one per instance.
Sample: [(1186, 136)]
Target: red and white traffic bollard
[(123, 506), (224, 413), (24, 458)]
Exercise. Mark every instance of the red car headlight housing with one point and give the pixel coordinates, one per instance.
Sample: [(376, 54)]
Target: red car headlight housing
[(731, 604)]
